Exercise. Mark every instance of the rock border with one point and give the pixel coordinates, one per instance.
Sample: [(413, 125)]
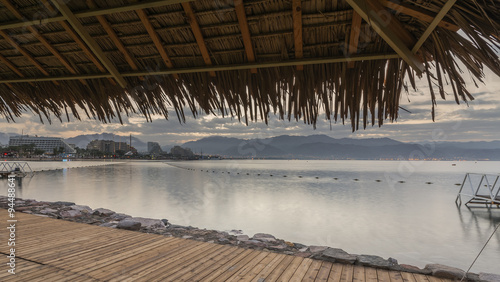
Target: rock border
[(260, 241)]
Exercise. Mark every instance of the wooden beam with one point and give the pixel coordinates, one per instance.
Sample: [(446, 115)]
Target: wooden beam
[(329, 60), (114, 37), (354, 36), (96, 12), (435, 22), (26, 54), (390, 29), (11, 66), (195, 28), (42, 39), (69, 30), (75, 23), (419, 13), (156, 40), (245, 31), (297, 30)]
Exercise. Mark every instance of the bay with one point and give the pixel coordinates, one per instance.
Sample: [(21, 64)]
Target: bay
[(400, 209)]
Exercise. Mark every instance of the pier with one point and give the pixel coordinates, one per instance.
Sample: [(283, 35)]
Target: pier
[(480, 190), (18, 169), (55, 250)]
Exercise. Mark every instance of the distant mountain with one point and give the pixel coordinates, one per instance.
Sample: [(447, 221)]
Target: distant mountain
[(325, 147), (82, 141)]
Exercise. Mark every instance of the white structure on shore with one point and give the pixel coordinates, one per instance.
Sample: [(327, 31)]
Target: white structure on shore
[(48, 144)]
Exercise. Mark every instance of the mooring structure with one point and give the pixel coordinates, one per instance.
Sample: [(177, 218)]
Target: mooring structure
[(19, 169), (480, 189)]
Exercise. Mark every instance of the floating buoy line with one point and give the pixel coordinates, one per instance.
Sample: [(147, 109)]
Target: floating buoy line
[(284, 175)]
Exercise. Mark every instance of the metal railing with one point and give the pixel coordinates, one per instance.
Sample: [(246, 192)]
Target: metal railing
[(482, 189), (20, 169)]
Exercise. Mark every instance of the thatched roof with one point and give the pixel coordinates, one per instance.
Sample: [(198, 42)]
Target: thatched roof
[(333, 59)]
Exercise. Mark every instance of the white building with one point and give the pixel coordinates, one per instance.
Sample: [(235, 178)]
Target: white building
[(48, 144)]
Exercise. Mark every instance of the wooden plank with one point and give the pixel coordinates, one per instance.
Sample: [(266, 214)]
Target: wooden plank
[(301, 270), (279, 269), (213, 274), (422, 278), (297, 31), (233, 267), (75, 23), (395, 276), (383, 275), (419, 13), (359, 273), (354, 36), (236, 254), (347, 273), (195, 28), (291, 269), (249, 266), (156, 40), (324, 271), (435, 22), (408, 277), (336, 272), (269, 268), (313, 270), (245, 31), (259, 267), (390, 29)]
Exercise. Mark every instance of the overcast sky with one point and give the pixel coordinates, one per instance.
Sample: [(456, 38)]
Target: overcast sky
[(480, 120)]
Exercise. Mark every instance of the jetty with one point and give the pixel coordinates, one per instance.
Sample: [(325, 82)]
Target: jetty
[(18, 169), (480, 190), (50, 249)]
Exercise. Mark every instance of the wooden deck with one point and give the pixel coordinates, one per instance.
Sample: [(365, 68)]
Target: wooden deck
[(56, 250)]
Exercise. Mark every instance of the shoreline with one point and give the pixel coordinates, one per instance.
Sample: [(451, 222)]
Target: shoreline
[(260, 241)]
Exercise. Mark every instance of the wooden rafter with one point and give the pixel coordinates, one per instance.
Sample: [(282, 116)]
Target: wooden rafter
[(245, 31), (42, 39), (156, 39), (390, 29), (354, 36), (11, 66), (97, 12), (195, 28), (69, 30), (26, 54), (297, 30), (442, 13), (114, 37), (315, 61), (75, 23), (419, 13)]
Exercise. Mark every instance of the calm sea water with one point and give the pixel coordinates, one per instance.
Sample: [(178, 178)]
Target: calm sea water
[(400, 209)]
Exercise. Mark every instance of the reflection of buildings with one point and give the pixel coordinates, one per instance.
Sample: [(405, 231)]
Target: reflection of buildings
[(154, 148), (48, 144), (108, 146)]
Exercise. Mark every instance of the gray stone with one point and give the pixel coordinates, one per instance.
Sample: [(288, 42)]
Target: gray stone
[(338, 255), (165, 221), (375, 261), (316, 249), (264, 237), (277, 247), (109, 224), (149, 223), (103, 212), (412, 269), (120, 216), (473, 277), (444, 271), (490, 277), (256, 243), (84, 209), (187, 237), (242, 238), (48, 210), (128, 224), (70, 213), (60, 203)]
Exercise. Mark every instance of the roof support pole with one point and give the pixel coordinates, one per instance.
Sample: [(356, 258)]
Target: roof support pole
[(390, 29)]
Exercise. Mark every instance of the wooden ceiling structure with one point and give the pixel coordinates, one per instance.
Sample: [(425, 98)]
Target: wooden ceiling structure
[(244, 58)]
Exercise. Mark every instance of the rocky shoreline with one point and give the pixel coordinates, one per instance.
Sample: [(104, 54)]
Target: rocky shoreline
[(260, 241)]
